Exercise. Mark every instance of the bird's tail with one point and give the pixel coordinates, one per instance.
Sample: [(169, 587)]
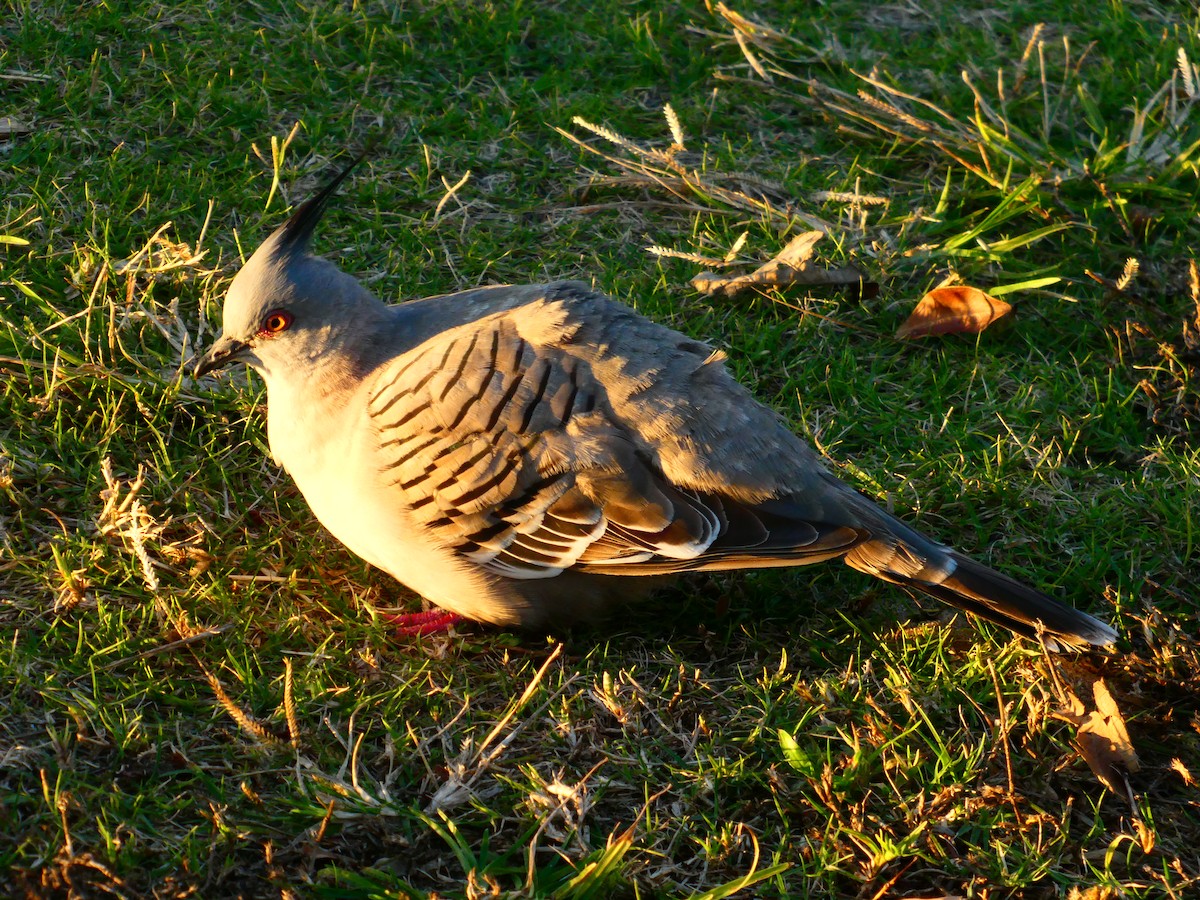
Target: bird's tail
[(974, 587)]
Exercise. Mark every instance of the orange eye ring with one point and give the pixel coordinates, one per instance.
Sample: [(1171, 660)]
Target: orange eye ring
[(274, 322)]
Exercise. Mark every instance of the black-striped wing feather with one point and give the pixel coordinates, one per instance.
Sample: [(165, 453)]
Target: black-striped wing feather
[(501, 442)]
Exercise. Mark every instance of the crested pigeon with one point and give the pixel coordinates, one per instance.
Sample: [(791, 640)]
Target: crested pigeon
[(517, 455)]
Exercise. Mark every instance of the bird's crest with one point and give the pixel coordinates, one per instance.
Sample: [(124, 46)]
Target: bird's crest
[(293, 236)]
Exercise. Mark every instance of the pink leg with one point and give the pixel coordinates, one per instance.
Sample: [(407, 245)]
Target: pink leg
[(435, 621)]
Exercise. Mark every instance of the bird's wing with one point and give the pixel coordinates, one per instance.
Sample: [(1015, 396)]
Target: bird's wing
[(549, 437)]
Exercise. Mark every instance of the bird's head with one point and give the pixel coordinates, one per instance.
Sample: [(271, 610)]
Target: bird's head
[(286, 306)]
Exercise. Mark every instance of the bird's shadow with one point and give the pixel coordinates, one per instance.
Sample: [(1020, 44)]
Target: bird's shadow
[(727, 616)]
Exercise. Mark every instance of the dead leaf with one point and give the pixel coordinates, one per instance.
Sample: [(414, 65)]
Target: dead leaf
[(953, 310), (1183, 772), (1102, 739), (797, 253), (1191, 329), (10, 128), (792, 266), (1145, 835)]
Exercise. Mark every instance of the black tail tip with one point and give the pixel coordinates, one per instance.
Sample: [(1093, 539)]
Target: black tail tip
[(1018, 607)]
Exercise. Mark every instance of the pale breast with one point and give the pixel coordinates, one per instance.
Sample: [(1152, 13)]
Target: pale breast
[(331, 451)]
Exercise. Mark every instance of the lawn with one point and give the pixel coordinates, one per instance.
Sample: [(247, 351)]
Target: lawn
[(199, 698)]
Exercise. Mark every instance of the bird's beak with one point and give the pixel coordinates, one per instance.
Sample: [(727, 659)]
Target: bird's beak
[(224, 351)]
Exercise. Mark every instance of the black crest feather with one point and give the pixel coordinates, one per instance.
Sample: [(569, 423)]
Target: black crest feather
[(294, 234)]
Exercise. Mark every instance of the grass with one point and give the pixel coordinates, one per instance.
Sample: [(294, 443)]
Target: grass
[(198, 700)]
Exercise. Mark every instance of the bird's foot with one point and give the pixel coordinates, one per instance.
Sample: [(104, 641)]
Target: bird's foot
[(435, 621)]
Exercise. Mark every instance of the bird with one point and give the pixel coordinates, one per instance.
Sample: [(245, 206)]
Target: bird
[(533, 456)]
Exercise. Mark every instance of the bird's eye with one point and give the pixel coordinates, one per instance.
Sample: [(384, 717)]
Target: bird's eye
[(274, 322)]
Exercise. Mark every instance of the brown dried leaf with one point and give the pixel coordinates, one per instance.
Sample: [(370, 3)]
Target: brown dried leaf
[(953, 310), (1076, 712), (792, 266), (1102, 739), (1145, 835), (1183, 772), (797, 253)]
